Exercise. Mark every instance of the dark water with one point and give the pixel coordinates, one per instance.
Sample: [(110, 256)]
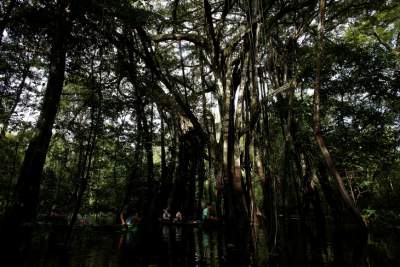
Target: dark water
[(297, 245)]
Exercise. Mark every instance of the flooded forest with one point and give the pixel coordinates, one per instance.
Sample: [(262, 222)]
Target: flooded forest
[(199, 133)]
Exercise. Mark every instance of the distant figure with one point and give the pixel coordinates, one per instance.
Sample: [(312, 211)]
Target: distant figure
[(129, 215), (178, 217), (137, 219), (208, 213), (166, 215), (82, 219), (124, 214), (129, 220), (57, 216)]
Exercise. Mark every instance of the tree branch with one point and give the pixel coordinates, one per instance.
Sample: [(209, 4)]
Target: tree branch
[(154, 66), (211, 31), (257, 109), (193, 38)]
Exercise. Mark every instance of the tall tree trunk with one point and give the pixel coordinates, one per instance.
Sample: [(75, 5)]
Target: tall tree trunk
[(270, 199), (236, 213), (148, 144), (317, 125), (165, 177), (200, 181), (151, 186), (162, 144), (26, 197), (174, 150), (84, 172), (137, 160)]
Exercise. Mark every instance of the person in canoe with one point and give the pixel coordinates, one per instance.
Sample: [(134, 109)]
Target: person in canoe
[(129, 217), (166, 216), (124, 215), (137, 218), (208, 215), (178, 217)]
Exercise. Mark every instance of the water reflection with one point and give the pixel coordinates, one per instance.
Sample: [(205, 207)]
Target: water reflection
[(185, 246), (300, 244)]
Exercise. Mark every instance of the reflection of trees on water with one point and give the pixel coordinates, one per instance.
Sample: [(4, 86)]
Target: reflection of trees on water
[(302, 245), (188, 247)]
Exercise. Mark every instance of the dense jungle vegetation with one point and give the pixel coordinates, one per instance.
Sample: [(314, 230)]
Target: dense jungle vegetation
[(263, 108)]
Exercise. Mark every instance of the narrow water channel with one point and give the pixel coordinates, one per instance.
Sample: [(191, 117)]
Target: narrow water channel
[(173, 245)]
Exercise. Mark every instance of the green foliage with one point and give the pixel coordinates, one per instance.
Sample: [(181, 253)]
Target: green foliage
[(11, 156), (369, 214), (360, 98), (380, 26)]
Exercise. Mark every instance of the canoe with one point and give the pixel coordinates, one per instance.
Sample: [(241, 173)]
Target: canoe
[(93, 227), (186, 222), (207, 224), (211, 224), (115, 227)]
